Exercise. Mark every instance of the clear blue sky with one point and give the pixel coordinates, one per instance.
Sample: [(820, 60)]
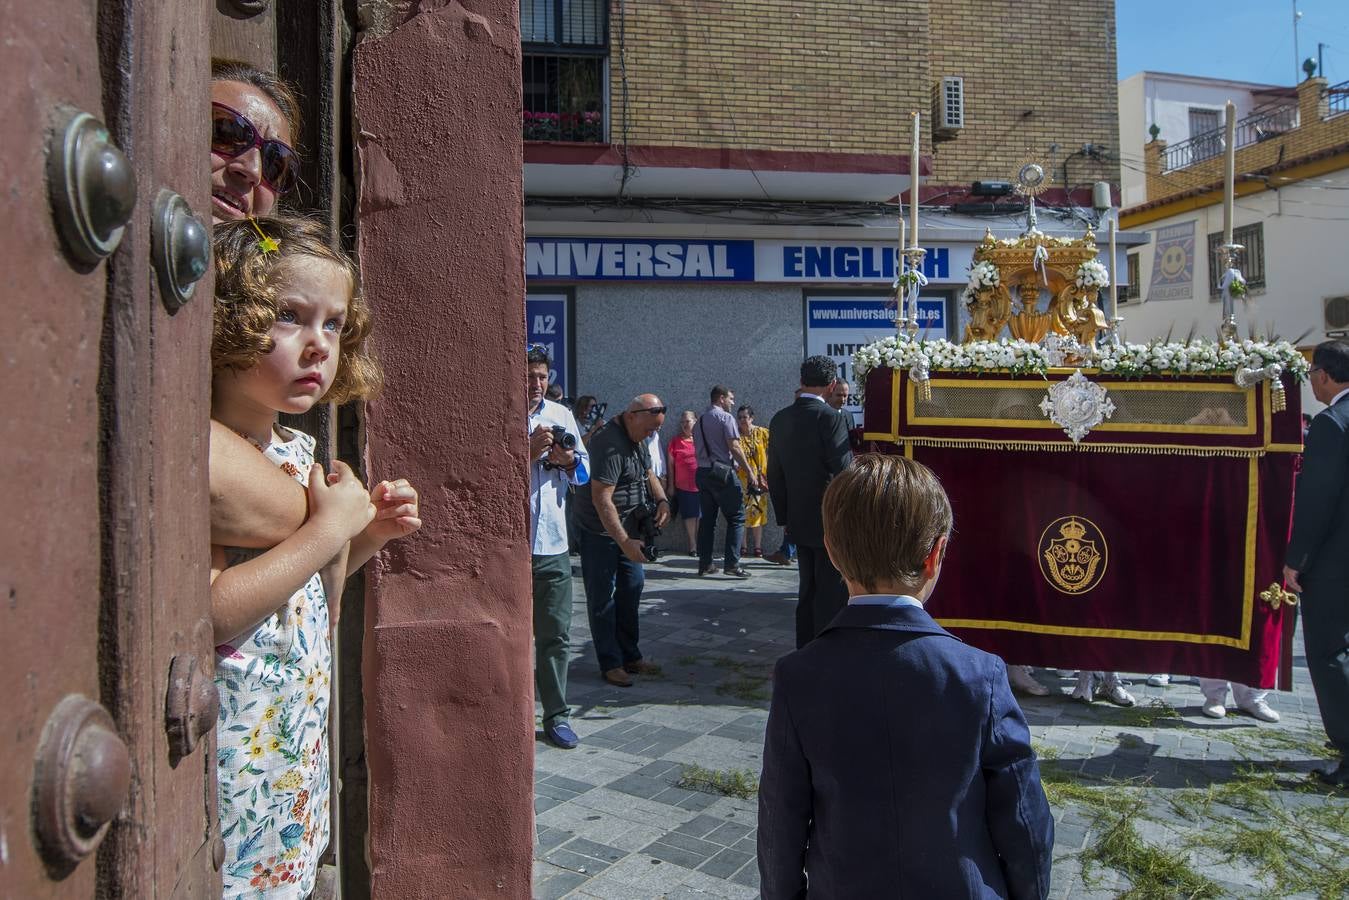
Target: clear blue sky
[(1244, 40)]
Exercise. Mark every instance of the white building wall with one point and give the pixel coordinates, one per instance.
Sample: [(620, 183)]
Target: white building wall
[(1156, 97), (1306, 233)]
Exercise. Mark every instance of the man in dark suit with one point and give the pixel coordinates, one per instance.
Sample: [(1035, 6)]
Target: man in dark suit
[(896, 761), (807, 446), (1318, 552)]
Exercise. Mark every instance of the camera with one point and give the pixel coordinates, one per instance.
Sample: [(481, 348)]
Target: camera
[(643, 527), (563, 438)]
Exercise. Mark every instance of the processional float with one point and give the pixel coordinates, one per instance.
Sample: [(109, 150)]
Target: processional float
[(1117, 506)]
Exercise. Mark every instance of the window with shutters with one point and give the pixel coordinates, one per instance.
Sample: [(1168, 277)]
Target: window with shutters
[(565, 56), (1132, 290), (1206, 133)]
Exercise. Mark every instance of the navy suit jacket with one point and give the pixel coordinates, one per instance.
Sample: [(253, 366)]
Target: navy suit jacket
[(807, 446), (1319, 546), (897, 764)]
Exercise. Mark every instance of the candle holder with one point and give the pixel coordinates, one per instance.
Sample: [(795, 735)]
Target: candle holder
[(1112, 334), (1228, 254), (911, 281)]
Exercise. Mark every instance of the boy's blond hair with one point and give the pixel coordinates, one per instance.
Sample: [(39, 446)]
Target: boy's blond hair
[(882, 517)]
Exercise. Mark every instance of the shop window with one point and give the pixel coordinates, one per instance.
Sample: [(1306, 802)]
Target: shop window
[(565, 56), (1132, 290), (1251, 259)]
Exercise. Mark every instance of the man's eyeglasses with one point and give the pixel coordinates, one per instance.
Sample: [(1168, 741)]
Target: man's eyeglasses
[(233, 135), (654, 410)]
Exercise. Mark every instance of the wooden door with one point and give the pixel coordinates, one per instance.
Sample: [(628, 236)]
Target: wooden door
[(105, 641)]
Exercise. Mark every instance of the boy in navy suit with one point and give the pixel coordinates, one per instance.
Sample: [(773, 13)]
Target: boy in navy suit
[(896, 761)]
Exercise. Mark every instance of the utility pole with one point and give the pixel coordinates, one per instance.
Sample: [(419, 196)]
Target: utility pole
[(1297, 57)]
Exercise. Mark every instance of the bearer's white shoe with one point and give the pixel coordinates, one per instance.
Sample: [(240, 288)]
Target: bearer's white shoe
[(1024, 682), (1159, 680), (1260, 710), (1213, 709), (1086, 687), (1116, 694)]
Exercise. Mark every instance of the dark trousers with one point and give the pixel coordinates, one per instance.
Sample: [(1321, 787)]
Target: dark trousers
[(821, 594), (552, 622), (1325, 636), (613, 586), (729, 499)]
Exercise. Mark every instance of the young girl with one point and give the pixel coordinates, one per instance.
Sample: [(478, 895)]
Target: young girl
[(289, 333)]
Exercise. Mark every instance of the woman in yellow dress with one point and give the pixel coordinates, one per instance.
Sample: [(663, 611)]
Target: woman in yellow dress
[(754, 441)]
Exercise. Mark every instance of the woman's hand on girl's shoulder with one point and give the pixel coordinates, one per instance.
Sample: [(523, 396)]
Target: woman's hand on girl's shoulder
[(397, 511), (339, 499)]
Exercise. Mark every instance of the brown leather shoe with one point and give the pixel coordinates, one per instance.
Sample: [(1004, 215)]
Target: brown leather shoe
[(708, 570), (618, 678), (778, 558), (641, 667)]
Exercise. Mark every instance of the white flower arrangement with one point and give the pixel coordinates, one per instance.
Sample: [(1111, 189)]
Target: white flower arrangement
[(1248, 361), (1091, 275), (984, 275)]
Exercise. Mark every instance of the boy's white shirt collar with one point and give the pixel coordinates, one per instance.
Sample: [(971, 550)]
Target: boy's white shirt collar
[(884, 600)]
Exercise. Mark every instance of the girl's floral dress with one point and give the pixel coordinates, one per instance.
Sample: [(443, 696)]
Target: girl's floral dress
[(273, 731)]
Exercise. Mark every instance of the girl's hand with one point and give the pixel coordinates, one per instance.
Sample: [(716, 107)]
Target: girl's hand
[(397, 513), (339, 499)]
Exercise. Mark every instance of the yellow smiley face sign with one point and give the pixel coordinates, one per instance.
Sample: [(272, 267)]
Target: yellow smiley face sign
[(1173, 261)]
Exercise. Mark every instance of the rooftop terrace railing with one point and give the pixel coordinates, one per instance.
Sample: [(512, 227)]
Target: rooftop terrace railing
[(1259, 126), (1337, 99)]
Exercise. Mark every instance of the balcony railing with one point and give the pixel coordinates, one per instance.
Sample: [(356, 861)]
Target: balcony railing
[(563, 98), (1337, 99), (1259, 126)]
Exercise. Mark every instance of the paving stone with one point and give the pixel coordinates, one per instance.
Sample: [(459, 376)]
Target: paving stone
[(614, 808)]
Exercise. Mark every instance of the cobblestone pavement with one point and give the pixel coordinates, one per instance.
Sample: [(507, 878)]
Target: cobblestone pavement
[(1157, 799)]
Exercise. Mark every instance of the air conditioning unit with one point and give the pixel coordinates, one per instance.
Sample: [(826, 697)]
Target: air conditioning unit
[(1337, 313), (949, 105)]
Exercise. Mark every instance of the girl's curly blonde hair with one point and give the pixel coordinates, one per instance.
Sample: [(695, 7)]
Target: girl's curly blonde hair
[(248, 282)]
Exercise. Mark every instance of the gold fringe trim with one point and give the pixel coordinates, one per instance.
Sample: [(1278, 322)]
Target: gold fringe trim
[(1068, 447)]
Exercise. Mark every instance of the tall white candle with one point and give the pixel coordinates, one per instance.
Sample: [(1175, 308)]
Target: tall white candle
[(914, 181), (899, 260), (1114, 287), (1230, 176)]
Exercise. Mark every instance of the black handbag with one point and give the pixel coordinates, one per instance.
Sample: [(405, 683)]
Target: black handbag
[(722, 473)]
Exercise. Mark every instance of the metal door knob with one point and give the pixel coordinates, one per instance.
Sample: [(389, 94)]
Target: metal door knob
[(192, 705), (80, 782), (180, 249), (92, 187)]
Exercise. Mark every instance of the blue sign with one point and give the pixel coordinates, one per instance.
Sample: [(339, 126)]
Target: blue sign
[(863, 262), (546, 324), (609, 259), (932, 317)]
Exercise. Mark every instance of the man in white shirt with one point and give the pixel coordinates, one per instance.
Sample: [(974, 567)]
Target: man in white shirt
[(555, 463)]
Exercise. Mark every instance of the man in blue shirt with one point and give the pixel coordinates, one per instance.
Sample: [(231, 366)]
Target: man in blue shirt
[(716, 441), (553, 467)]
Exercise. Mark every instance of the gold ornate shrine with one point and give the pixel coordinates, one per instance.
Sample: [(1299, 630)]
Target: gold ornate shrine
[(1030, 268)]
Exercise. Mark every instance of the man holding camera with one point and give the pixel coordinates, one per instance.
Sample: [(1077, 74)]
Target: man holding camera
[(716, 441), (619, 512), (557, 459)]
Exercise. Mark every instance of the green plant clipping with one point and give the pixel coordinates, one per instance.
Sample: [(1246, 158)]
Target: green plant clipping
[(741, 783)]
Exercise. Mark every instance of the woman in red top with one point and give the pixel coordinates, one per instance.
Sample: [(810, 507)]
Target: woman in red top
[(681, 477)]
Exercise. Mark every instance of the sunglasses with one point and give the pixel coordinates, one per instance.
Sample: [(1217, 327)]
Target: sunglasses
[(233, 135), (654, 410)]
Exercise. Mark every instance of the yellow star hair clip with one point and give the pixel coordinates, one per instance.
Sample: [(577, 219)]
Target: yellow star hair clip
[(265, 244)]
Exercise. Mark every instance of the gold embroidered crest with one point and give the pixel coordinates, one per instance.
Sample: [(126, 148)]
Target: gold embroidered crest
[(1073, 562)]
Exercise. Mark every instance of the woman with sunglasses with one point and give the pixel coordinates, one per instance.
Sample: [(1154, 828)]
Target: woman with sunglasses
[(254, 115), (254, 119)]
